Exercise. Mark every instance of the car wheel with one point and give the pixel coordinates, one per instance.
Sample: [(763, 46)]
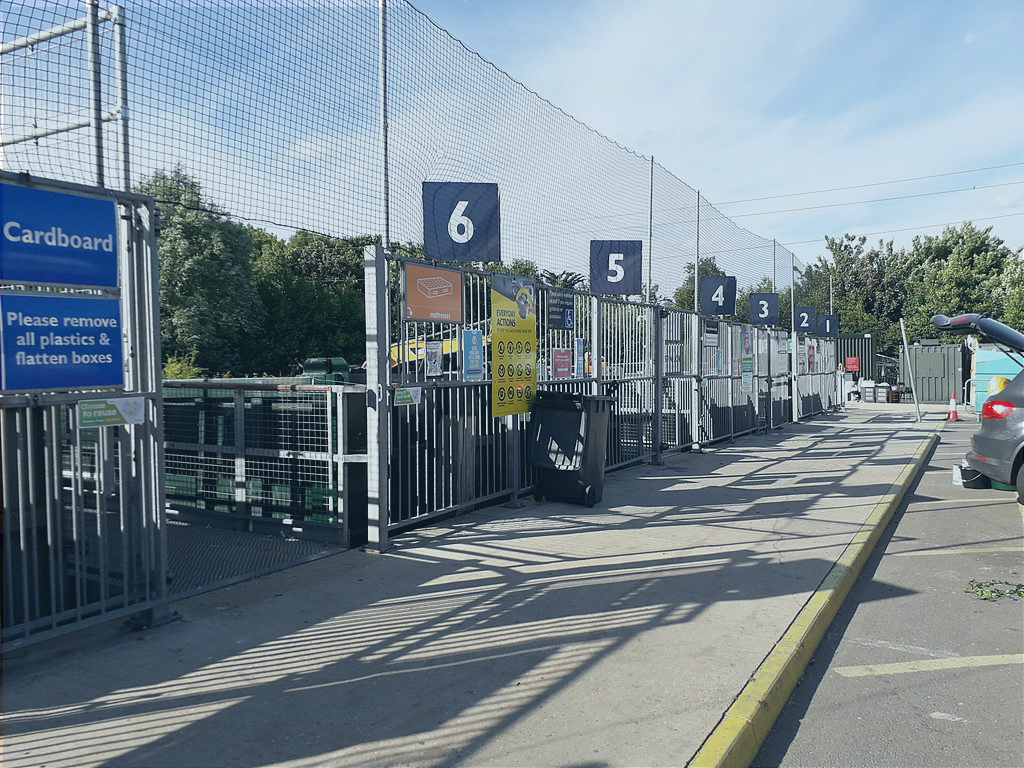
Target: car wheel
[(1020, 484)]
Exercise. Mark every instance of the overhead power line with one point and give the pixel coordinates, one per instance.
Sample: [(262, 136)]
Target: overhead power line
[(872, 184), (911, 229), (875, 200)]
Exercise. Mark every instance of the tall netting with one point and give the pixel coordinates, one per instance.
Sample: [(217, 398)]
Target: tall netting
[(46, 88), (455, 117), (674, 241), (271, 106), (735, 250), (274, 108)]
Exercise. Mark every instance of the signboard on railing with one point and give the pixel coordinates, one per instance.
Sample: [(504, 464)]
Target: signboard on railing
[(472, 355), (433, 295), (561, 311), (57, 238), (746, 360), (513, 344), (54, 342)]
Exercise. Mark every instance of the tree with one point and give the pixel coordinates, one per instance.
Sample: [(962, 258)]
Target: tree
[(564, 279), (312, 287), (962, 270), (208, 304)]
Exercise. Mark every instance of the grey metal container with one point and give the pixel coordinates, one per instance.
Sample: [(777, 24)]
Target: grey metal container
[(938, 371)]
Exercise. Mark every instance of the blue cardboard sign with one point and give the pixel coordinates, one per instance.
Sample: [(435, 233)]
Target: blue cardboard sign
[(616, 267), (764, 309), (473, 355), (55, 342), (828, 326), (57, 238), (461, 221), (805, 320), (717, 295)]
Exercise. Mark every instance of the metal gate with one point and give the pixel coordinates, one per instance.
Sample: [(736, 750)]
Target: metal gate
[(83, 530)]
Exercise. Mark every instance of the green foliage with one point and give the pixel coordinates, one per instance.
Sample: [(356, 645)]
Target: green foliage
[(962, 270), (183, 367), (312, 287), (520, 267), (564, 279), (993, 590), (208, 305), (237, 298)]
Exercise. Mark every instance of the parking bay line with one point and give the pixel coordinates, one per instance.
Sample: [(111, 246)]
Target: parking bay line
[(930, 665), (956, 551)]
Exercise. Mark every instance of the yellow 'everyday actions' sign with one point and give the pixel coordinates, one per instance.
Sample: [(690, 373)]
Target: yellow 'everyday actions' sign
[(513, 345)]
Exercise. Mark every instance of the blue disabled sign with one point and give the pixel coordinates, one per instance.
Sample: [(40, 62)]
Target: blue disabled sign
[(57, 238), (59, 343)]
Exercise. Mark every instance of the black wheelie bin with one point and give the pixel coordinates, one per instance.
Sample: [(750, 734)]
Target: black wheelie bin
[(568, 441)]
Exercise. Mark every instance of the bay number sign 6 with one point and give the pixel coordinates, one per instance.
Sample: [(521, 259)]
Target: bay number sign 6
[(461, 221)]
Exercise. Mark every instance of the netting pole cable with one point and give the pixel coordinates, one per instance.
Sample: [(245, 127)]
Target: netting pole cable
[(695, 402), (696, 259), (775, 245), (794, 343), (95, 90), (650, 239), (382, 52), (121, 52)]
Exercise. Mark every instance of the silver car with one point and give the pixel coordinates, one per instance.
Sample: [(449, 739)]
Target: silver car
[(997, 448)]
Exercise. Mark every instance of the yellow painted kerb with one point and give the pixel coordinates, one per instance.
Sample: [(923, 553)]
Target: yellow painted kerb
[(745, 725)]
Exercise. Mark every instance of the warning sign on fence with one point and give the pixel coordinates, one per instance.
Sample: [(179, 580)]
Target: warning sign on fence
[(513, 344)]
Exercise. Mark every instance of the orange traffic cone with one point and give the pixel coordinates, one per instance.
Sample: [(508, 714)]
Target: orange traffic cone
[(952, 415)]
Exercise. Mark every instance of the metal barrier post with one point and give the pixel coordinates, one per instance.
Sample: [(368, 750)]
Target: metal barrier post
[(732, 383), (658, 316), (375, 271), (512, 445), (241, 503), (695, 404)]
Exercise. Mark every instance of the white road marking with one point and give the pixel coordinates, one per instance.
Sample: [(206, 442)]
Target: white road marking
[(912, 649), (930, 665), (958, 551), (944, 716)]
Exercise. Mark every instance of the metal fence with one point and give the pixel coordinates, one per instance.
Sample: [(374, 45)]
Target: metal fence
[(83, 537), (677, 380), (281, 458)]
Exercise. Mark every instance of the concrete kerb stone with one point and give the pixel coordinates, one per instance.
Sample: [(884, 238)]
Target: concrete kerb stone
[(745, 725)]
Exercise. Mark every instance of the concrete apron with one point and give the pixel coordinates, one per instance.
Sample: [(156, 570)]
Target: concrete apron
[(547, 635)]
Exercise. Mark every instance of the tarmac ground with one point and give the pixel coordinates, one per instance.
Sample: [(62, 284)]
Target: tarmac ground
[(630, 634), (932, 677)]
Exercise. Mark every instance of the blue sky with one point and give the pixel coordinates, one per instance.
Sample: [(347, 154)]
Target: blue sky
[(745, 100)]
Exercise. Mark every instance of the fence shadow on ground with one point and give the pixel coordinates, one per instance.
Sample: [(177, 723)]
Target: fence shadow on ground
[(502, 618)]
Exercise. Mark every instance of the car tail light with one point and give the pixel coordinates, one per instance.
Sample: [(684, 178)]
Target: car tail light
[(996, 409)]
